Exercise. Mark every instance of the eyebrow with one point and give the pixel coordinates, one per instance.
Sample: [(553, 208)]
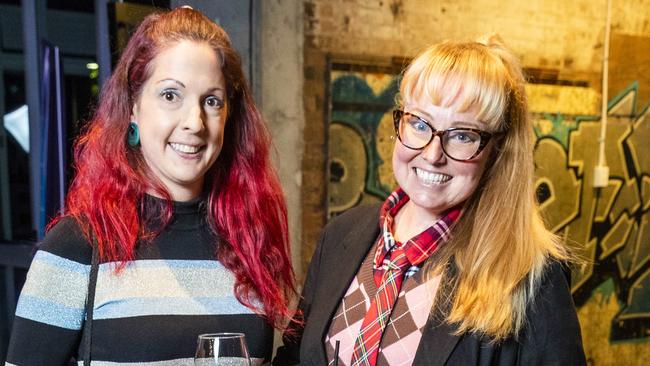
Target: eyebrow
[(422, 114), (172, 80), (454, 122), (216, 88)]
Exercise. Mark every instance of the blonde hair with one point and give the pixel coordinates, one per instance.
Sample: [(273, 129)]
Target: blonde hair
[(500, 245)]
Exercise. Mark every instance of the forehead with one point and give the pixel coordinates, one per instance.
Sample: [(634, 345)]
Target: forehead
[(458, 78), (435, 114), (188, 62)]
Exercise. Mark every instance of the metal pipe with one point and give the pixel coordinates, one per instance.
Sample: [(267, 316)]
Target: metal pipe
[(603, 111), (601, 171), (31, 43), (102, 41), (5, 194)]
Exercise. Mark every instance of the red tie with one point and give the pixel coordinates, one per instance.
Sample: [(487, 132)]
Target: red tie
[(366, 347), (392, 260)]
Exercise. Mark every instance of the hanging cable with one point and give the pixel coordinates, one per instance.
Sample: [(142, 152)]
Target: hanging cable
[(601, 171)]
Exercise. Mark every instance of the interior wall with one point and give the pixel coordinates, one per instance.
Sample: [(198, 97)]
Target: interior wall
[(567, 35)]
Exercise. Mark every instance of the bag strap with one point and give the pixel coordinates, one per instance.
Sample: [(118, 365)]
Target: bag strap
[(90, 304)]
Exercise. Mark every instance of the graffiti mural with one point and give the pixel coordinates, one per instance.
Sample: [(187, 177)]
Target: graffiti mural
[(609, 227), (360, 132)]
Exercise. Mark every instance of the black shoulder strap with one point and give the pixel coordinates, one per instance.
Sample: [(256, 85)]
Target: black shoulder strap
[(90, 304)]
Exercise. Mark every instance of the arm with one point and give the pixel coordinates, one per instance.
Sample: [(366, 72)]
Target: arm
[(289, 352), (51, 307), (553, 336)]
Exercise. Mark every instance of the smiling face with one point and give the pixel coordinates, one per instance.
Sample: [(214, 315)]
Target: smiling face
[(433, 181), (181, 113)]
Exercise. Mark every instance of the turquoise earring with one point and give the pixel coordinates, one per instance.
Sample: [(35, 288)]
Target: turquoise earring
[(133, 136)]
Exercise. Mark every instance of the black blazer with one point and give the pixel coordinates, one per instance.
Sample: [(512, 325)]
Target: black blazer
[(551, 336)]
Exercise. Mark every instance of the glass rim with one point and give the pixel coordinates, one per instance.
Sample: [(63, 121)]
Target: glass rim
[(222, 335), (484, 136)]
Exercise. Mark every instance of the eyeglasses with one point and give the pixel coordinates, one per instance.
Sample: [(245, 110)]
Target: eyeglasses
[(459, 144)]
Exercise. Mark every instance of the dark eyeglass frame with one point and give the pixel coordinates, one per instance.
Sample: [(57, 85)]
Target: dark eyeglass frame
[(485, 136)]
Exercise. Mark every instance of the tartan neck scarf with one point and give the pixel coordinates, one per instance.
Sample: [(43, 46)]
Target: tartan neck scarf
[(391, 262)]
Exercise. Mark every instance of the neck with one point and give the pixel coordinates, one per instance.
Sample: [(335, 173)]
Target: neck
[(411, 220), (177, 195)]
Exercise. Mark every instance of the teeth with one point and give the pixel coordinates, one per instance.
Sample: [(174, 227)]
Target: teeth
[(431, 178), (188, 149)]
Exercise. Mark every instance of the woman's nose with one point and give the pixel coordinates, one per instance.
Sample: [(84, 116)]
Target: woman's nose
[(433, 151), (193, 121)]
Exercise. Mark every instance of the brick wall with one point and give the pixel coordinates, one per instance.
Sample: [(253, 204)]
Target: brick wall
[(544, 33)]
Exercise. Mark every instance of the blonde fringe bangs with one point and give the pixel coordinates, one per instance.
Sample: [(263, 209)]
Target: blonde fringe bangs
[(460, 76), (500, 246)]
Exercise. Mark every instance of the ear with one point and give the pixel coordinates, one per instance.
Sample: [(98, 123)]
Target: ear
[(134, 113)]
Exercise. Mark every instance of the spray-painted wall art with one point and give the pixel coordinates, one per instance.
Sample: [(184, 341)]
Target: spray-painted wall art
[(360, 131), (610, 226)]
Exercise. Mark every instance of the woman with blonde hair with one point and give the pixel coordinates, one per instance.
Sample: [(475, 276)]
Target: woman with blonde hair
[(460, 269)]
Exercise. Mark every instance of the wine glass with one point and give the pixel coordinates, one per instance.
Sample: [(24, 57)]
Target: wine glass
[(222, 349)]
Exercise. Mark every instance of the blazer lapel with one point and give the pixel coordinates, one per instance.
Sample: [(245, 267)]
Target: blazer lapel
[(438, 340), (437, 343), (344, 264)]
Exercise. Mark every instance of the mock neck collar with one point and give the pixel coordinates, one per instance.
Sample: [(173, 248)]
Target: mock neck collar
[(186, 215)]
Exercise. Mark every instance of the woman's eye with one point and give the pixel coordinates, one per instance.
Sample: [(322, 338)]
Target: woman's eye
[(214, 102), (169, 95), (419, 126), (464, 136)]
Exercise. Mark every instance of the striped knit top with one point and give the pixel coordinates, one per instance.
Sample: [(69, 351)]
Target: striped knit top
[(149, 313)]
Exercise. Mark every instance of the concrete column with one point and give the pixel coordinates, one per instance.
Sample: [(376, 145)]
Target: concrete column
[(280, 66), (233, 16)]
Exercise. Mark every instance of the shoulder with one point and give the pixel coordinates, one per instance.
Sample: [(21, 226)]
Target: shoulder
[(553, 301), (553, 289), (349, 234), (553, 329), (356, 226), (555, 280), (67, 240), (355, 216)]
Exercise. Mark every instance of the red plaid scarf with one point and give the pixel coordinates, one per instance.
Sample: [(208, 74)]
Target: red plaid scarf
[(392, 261)]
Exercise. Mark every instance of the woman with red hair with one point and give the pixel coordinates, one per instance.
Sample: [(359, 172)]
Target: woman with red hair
[(175, 222)]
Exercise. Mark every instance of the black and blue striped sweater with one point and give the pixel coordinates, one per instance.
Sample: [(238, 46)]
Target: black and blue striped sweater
[(149, 313)]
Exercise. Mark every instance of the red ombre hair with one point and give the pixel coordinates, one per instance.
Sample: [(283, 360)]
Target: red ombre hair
[(245, 204)]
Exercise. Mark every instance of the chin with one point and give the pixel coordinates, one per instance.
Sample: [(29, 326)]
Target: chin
[(424, 202)]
